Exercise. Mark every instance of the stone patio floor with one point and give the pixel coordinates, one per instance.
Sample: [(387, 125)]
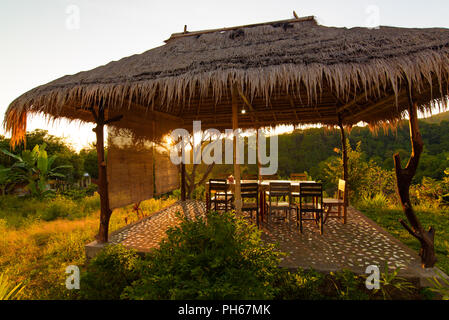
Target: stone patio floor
[(352, 246)]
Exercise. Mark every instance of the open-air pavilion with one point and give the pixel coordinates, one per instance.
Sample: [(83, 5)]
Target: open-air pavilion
[(284, 72)]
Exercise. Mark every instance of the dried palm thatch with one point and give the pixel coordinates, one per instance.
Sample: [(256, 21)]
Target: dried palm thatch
[(286, 72)]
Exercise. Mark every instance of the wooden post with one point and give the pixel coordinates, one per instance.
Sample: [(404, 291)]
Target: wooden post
[(404, 179), (345, 165), (183, 181), (235, 125), (106, 212), (259, 178), (257, 154)]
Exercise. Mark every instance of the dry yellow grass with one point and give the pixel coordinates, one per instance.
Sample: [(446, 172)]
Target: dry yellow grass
[(39, 253)]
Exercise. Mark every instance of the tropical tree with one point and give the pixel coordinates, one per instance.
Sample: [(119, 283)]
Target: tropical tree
[(35, 167)]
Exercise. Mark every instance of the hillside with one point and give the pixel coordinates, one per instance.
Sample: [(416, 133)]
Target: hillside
[(437, 118)]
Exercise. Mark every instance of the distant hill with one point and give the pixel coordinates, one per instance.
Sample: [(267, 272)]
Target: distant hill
[(443, 116)]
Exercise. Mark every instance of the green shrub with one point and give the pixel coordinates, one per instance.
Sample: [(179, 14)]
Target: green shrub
[(80, 193), (313, 285), (220, 257), (379, 200), (349, 286), (59, 207), (114, 268), (90, 204), (303, 285)]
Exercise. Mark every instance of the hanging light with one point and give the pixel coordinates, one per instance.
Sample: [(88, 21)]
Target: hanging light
[(243, 110)]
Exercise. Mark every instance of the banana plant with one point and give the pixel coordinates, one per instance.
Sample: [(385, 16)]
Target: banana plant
[(35, 167), (6, 179)]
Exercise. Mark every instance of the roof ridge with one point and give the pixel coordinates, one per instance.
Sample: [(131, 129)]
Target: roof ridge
[(200, 32)]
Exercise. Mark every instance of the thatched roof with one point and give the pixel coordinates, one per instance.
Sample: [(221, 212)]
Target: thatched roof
[(287, 72)]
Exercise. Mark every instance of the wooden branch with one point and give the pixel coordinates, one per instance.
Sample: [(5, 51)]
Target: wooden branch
[(206, 174), (407, 227), (94, 114), (114, 119), (249, 105)]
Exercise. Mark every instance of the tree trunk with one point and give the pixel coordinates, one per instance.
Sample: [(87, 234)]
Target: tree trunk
[(345, 166), (105, 214), (191, 185), (404, 179), (183, 181)]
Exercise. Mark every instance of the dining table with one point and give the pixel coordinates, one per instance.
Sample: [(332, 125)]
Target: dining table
[(264, 186)]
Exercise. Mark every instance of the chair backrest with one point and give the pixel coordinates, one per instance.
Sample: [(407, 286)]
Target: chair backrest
[(298, 176), (249, 190), (218, 185), (341, 194), (222, 176), (280, 189), (311, 191), (269, 177), (250, 177)]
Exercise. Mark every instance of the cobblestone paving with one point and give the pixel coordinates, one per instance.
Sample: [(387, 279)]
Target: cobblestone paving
[(353, 246), (148, 232)]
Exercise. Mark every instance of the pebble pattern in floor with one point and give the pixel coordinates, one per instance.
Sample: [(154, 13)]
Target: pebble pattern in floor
[(148, 232), (353, 246)]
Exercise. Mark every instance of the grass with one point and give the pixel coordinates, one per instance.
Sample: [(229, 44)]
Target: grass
[(387, 217), (40, 239)]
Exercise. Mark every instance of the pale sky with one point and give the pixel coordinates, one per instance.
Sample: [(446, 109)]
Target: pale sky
[(46, 39)]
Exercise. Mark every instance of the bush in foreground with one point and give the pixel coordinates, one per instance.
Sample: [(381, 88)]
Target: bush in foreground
[(114, 268), (221, 257)]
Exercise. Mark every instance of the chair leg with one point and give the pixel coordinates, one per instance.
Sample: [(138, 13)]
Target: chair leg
[(300, 221), (297, 218), (257, 217), (321, 223)]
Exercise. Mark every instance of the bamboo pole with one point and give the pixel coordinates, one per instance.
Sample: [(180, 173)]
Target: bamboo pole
[(235, 125)]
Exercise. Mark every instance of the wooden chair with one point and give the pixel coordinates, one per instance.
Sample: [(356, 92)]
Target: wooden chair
[(269, 177), (222, 175), (297, 177), (250, 191), (278, 192), (250, 177), (219, 195), (338, 204), (310, 203)]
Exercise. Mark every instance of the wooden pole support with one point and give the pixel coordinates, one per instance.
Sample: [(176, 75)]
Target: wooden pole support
[(345, 165), (235, 125), (105, 213), (183, 181)]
